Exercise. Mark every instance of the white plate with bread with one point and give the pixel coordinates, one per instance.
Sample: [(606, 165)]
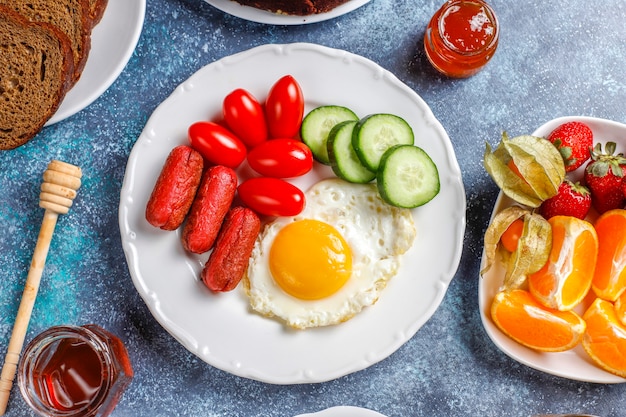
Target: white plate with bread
[(113, 41), (58, 58)]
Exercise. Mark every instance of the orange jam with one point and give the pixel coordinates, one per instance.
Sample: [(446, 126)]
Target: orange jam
[(461, 37)]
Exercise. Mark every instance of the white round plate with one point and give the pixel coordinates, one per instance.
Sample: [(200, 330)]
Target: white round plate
[(573, 364), (220, 328), (263, 16), (344, 411), (113, 41)]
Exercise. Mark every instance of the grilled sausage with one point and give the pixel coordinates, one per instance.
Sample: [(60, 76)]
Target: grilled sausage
[(213, 199), (175, 188), (229, 259)]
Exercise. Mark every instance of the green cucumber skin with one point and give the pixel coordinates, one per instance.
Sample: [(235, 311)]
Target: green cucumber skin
[(388, 182), (343, 159), (362, 137), (317, 124)]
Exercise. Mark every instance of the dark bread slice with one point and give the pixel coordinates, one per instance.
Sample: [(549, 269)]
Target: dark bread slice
[(36, 70), (70, 16), (96, 10)]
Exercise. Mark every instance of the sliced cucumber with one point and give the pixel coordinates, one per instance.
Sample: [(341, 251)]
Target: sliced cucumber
[(376, 133), (343, 160), (318, 123), (407, 177)]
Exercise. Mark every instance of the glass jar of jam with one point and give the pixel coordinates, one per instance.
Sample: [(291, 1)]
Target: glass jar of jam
[(74, 371), (461, 37)]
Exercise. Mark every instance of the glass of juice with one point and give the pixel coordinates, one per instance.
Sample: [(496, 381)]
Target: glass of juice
[(74, 371), (461, 37)]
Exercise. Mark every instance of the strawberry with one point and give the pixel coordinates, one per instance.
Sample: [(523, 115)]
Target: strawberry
[(604, 176), (574, 141), (570, 200), (624, 186)]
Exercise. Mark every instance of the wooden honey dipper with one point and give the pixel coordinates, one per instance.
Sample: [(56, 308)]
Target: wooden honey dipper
[(61, 181)]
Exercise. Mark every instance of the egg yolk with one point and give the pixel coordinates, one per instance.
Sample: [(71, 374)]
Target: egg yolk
[(310, 260)]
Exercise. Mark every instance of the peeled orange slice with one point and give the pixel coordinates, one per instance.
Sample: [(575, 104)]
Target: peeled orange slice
[(605, 337), (565, 279), (620, 308), (609, 279), (518, 315)]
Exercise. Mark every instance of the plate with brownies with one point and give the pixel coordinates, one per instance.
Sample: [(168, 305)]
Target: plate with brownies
[(287, 12)]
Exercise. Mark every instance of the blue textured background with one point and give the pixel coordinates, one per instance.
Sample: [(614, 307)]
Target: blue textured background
[(556, 58)]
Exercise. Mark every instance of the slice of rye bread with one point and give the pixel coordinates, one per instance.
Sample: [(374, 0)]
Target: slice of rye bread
[(36, 70), (70, 16), (96, 10)]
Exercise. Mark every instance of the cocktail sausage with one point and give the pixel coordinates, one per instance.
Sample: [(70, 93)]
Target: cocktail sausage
[(175, 188), (213, 200)]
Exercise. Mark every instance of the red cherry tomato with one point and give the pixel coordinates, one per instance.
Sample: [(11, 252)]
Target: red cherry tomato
[(284, 108), (245, 117), (281, 158), (217, 144), (271, 196)]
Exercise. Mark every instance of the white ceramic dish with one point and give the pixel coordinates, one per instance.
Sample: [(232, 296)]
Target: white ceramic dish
[(344, 411), (262, 16), (220, 328), (573, 364), (113, 41)]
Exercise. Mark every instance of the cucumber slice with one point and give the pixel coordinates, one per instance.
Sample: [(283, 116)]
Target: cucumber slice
[(317, 124), (407, 177), (376, 133), (343, 160)]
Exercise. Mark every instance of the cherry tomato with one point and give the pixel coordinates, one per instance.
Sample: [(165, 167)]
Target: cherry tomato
[(281, 158), (271, 196), (217, 144), (245, 117), (284, 108)]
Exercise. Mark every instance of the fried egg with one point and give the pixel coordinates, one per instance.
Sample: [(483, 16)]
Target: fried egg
[(326, 264)]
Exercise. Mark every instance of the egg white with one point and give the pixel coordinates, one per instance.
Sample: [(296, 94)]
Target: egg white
[(377, 233)]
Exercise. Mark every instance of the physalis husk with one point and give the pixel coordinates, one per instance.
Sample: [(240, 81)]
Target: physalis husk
[(533, 247), (528, 169)]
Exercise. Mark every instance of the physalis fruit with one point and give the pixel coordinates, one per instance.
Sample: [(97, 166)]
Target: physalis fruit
[(527, 168)]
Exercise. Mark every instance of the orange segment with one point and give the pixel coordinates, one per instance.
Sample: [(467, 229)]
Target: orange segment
[(620, 308), (605, 337), (609, 279), (566, 277), (518, 315)]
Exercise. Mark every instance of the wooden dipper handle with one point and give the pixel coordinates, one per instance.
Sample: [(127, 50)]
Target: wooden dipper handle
[(61, 181)]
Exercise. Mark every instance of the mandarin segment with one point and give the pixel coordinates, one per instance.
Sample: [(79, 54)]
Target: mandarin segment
[(565, 279), (518, 315), (605, 337), (609, 279), (620, 308)]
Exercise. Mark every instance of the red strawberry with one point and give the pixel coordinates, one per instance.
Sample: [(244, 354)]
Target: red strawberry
[(571, 200), (604, 175), (624, 185), (574, 141)]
